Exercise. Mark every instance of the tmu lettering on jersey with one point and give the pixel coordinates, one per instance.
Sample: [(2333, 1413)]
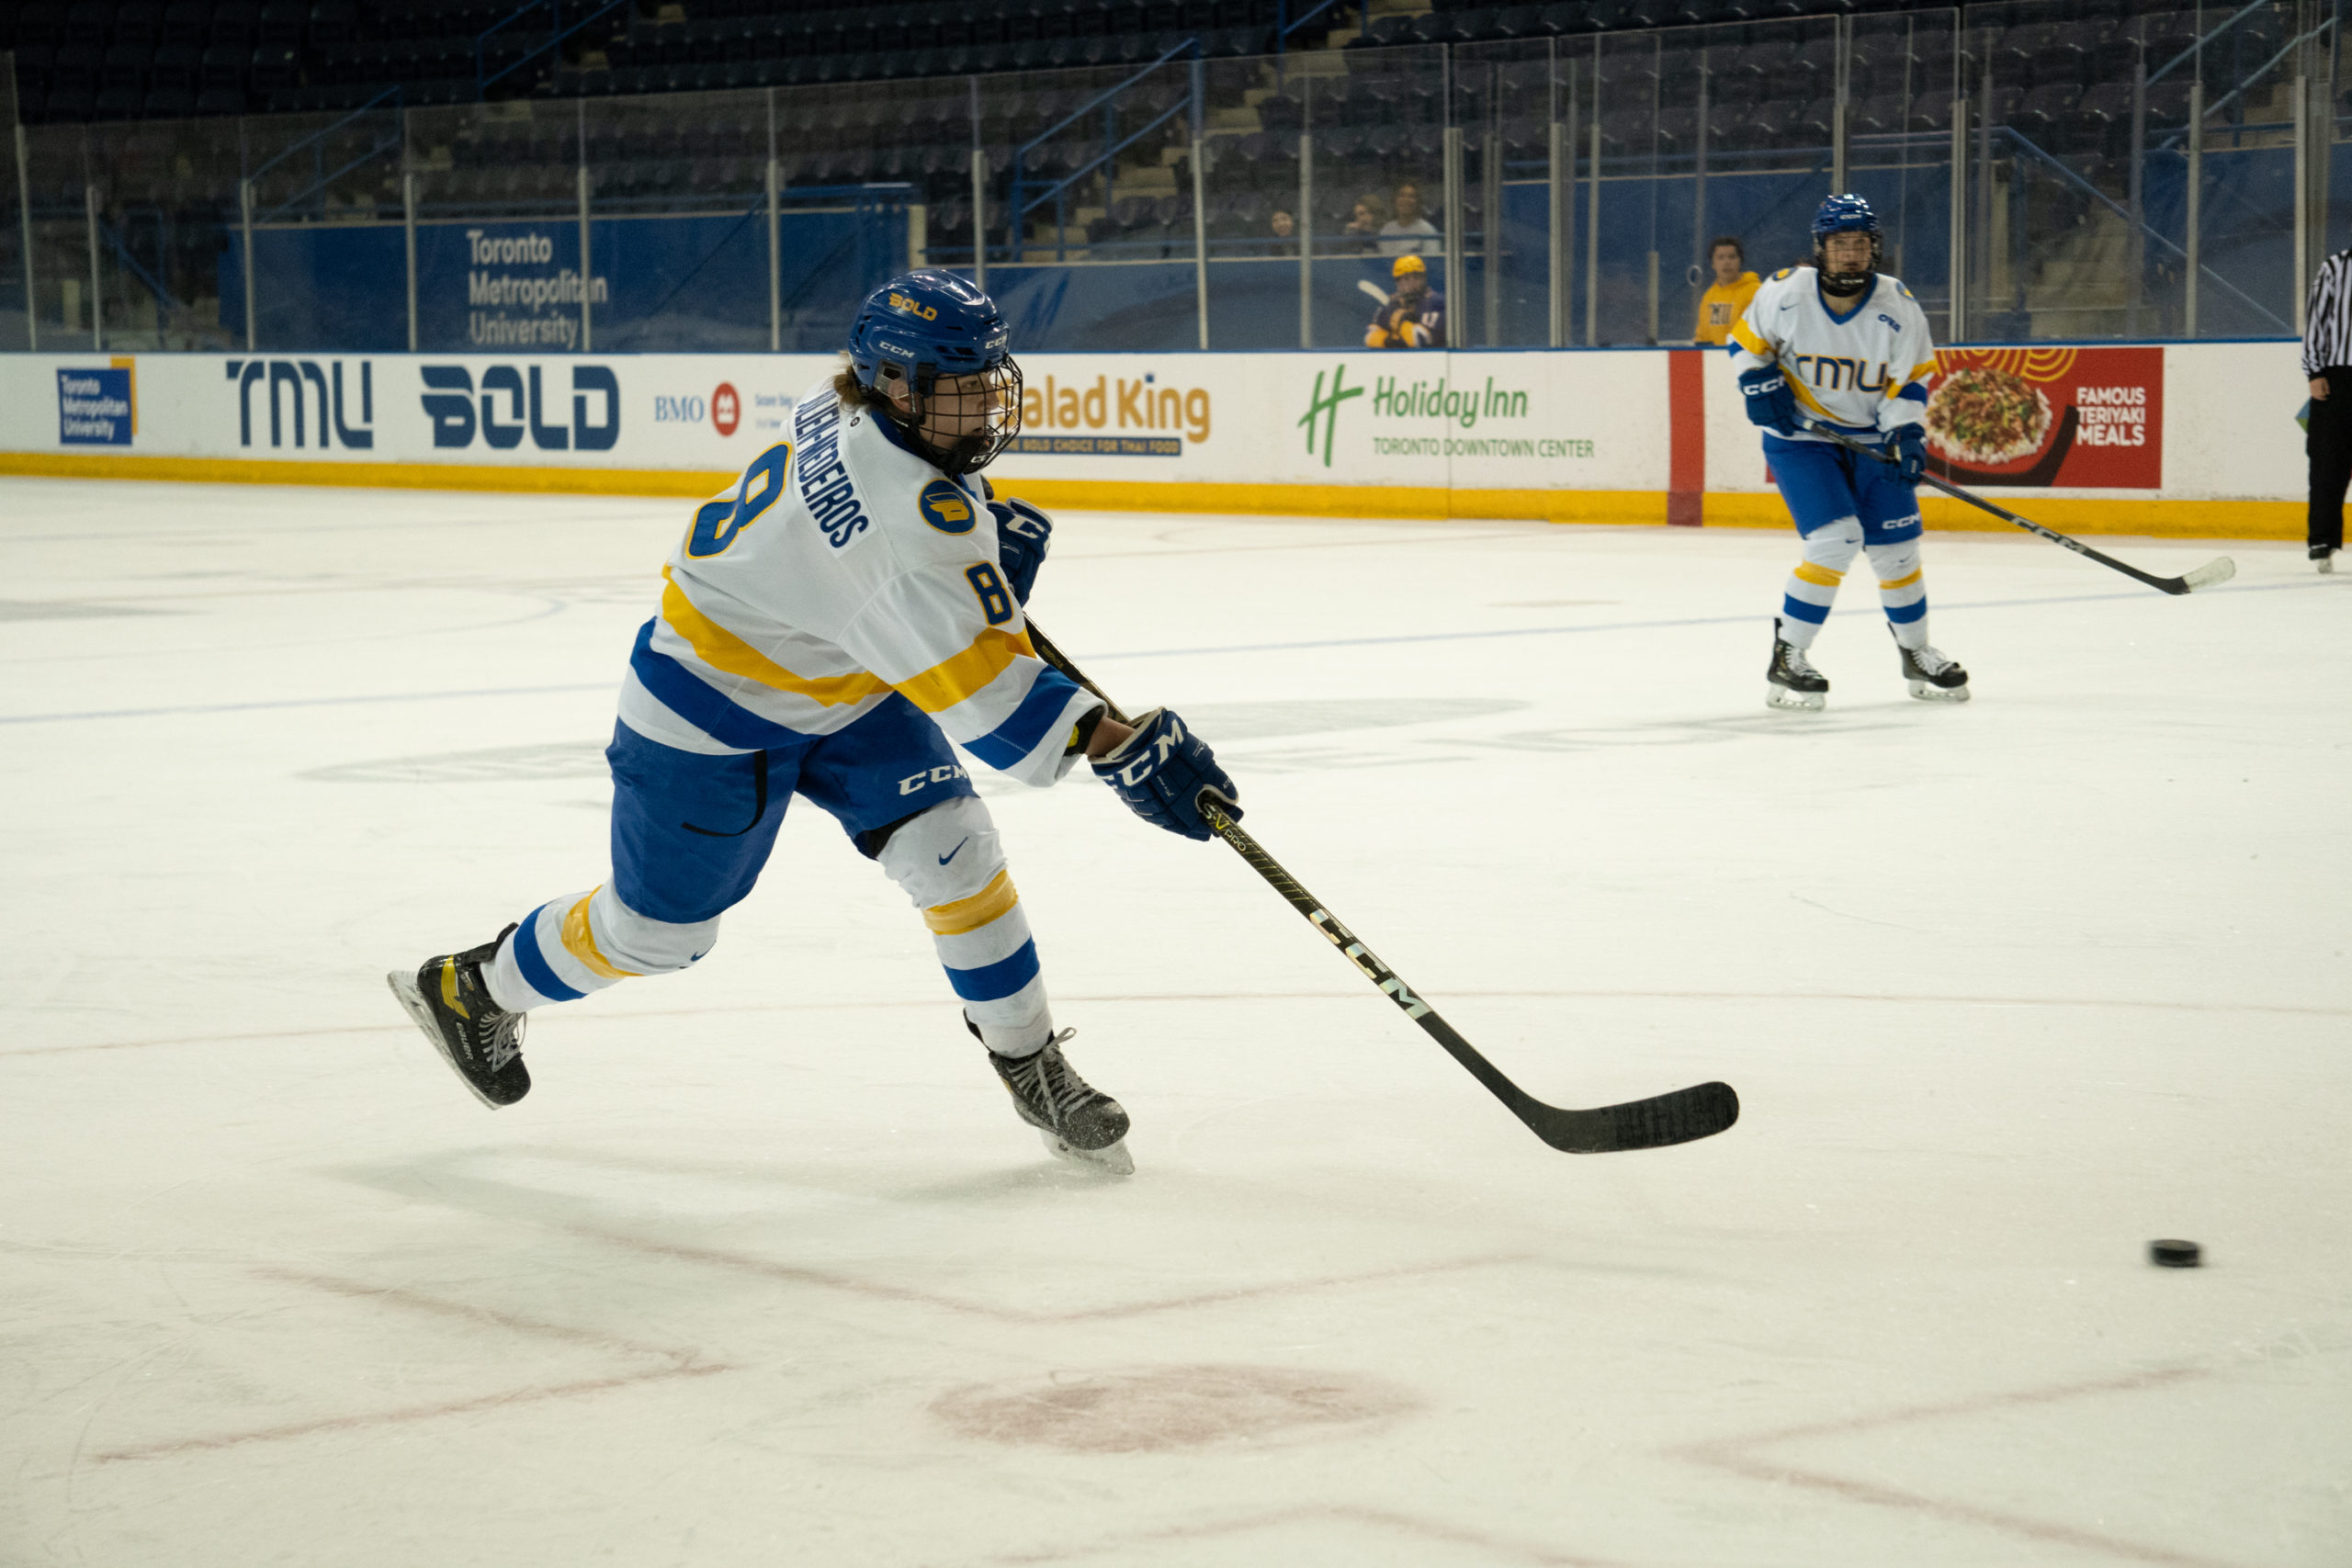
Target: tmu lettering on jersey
[(1839, 375), (450, 403), (825, 489)]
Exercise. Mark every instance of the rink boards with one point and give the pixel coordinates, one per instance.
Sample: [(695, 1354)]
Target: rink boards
[(2184, 439)]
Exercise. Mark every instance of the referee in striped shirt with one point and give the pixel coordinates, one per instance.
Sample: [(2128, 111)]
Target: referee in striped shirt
[(2327, 441)]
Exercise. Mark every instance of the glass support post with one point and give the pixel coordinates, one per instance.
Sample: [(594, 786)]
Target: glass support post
[(775, 236), (587, 268), (408, 246), (1592, 221), (245, 217), (25, 222), (1557, 240), (1843, 76), (1956, 315), (2194, 239), (97, 300), (2136, 251), (1200, 207), (1304, 228), (979, 195)]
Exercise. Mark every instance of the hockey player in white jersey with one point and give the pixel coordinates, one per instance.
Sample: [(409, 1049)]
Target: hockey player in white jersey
[(826, 628), (1841, 343)]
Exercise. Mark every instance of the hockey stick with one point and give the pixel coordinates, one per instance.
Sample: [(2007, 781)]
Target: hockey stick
[(2220, 568), (1699, 1112)]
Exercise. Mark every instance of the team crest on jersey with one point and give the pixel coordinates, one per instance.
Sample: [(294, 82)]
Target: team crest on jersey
[(947, 508)]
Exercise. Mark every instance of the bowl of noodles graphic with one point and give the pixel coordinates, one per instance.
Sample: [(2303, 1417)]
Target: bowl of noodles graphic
[(1986, 417)]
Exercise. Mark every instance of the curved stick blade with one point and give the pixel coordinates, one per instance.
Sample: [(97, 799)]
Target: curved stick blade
[(2220, 568), (1687, 1114)]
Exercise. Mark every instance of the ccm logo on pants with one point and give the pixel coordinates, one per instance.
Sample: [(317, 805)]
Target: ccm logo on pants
[(914, 782)]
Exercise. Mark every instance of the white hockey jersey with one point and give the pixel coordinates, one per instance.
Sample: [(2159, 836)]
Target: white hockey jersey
[(841, 567), (1864, 370)]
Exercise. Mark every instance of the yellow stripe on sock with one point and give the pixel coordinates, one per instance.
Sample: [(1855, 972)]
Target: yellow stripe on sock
[(1819, 576), (1916, 573), (970, 914), (581, 943)]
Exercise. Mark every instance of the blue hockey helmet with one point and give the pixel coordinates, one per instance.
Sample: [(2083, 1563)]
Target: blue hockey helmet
[(921, 327), (1845, 214)]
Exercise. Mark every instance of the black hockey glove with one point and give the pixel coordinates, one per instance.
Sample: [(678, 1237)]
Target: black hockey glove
[(1910, 443), (1770, 402), (1021, 535), (1161, 771)]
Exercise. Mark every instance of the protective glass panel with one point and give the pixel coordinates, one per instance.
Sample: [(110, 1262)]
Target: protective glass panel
[(15, 332), (320, 208), (2088, 173)]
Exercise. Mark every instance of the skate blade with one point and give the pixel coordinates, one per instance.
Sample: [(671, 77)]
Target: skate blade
[(1115, 1159), (1929, 692), (405, 986), (1785, 698)]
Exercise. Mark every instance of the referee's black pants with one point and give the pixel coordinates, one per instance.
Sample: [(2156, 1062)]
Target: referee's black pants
[(2328, 444)]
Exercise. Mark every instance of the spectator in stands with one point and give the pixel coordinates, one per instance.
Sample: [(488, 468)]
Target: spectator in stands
[(1409, 233), (1362, 231), (1726, 300), (1414, 317), (1284, 230)]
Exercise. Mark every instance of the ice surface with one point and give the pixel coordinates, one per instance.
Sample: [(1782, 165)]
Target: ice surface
[(766, 1271)]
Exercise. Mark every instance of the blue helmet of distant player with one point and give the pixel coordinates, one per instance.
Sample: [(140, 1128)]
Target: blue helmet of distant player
[(1847, 214), (933, 347)]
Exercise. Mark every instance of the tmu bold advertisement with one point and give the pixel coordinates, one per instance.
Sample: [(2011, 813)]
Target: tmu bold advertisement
[(2091, 418)]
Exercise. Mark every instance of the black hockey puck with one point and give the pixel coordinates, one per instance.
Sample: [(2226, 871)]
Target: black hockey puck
[(2176, 1254)]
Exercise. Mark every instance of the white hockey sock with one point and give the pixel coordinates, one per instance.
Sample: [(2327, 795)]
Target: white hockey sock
[(1902, 591), (950, 863), (582, 942)]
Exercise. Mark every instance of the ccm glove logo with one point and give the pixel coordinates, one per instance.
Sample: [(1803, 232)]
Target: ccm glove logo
[(1161, 772), (1157, 749), (1763, 386)]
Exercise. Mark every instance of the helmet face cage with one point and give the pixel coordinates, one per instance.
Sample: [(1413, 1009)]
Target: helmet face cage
[(1846, 215), (965, 427)]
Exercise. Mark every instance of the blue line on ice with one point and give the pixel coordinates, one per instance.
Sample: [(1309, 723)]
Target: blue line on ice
[(1102, 658)]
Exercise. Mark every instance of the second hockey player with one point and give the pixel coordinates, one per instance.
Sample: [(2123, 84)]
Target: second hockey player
[(1842, 345)]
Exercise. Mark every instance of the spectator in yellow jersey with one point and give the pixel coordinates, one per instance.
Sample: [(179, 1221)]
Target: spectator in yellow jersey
[(1413, 316), (1726, 301)]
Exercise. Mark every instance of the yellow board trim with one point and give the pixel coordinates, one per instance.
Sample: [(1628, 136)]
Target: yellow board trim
[(697, 485), (1916, 573), (722, 650), (2150, 518), (1819, 576), (951, 680), (970, 914), (581, 943)]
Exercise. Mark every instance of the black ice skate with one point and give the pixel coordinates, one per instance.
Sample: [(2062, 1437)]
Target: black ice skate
[(1932, 677), (481, 1042), (1795, 683), (2323, 556), (1078, 1122)]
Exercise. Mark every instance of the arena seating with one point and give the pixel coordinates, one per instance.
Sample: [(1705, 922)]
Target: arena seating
[(112, 60)]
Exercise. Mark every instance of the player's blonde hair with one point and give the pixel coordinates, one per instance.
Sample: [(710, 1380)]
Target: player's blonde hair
[(855, 393)]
